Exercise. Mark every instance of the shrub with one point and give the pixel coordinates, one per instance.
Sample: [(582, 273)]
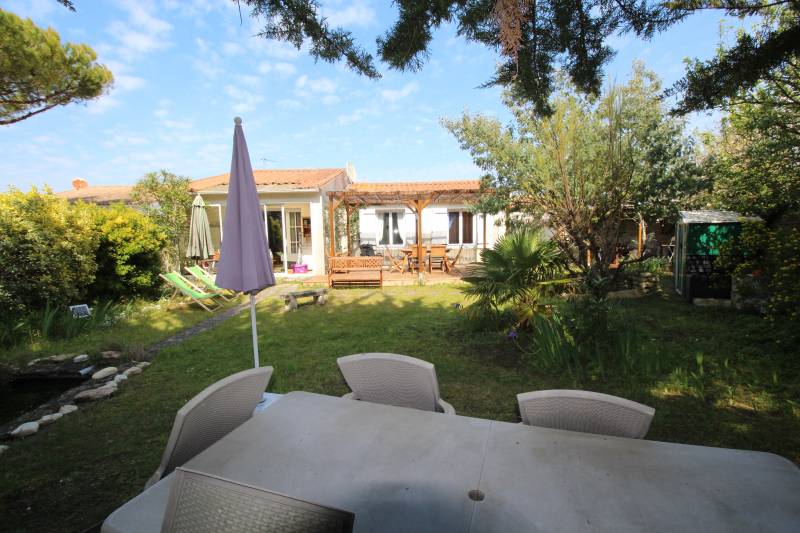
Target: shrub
[(129, 253), (47, 250), (516, 271), (769, 255)]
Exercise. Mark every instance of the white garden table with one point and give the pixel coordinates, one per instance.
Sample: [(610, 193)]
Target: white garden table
[(401, 469)]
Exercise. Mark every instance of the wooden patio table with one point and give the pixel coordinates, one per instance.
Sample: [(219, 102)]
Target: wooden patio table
[(401, 469)]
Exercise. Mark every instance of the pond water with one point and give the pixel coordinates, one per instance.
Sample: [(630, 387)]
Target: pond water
[(19, 396)]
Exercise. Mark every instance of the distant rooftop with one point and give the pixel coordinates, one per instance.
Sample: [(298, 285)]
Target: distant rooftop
[(98, 194)]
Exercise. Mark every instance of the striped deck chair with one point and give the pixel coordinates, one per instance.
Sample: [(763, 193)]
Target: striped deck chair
[(185, 287)]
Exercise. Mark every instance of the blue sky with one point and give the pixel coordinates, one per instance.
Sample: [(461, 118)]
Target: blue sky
[(185, 68)]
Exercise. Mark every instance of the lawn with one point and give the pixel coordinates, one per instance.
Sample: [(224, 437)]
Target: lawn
[(74, 473), (142, 323)]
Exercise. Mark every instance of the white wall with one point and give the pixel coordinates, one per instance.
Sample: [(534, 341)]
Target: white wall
[(435, 223)]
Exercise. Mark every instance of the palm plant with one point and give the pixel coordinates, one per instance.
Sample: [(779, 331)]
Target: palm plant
[(516, 272)]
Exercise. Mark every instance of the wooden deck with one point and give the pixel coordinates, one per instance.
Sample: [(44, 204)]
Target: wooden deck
[(396, 278)]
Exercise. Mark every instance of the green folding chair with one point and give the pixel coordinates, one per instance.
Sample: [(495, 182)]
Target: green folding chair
[(205, 278), (185, 287)]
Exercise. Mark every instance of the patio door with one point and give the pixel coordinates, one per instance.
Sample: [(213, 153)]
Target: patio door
[(295, 235)]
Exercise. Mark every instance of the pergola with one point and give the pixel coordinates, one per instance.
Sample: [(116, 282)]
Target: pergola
[(414, 195)]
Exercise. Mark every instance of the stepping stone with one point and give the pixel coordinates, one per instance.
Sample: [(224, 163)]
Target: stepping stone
[(132, 371), (104, 373), (82, 358), (99, 393), (60, 358), (119, 378), (143, 365), (110, 354), (49, 419), (67, 409), (28, 428)]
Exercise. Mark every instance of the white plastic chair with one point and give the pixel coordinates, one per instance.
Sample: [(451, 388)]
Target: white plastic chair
[(589, 412), (213, 413), (202, 503), (393, 379)]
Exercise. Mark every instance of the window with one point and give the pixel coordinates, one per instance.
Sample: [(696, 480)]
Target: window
[(459, 230), (390, 233)]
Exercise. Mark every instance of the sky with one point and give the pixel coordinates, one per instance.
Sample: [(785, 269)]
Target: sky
[(185, 68)]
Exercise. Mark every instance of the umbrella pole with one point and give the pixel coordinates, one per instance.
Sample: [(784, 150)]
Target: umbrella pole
[(253, 328)]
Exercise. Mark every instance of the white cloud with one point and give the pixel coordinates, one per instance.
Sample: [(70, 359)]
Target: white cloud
[(330, 99), (128, 83), (249, 80), (393, 95), (317, 85), (34, 9), (282, 69), (177, 124), (231, 48), (208, 66), (103, 104), (289, 103), (243, 100), (272, 48), (142, 33), (359, 13), (352, 118)]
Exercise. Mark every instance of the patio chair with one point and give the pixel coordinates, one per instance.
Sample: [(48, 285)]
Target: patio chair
[(396, 263), (203, 503), (213, 413), (414, 262), (204, 278), (438, 256), (393, 379), (589, 412), (185, 287), (451, 262)]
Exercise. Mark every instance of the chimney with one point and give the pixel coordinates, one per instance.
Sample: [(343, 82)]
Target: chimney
[(350, 169), (79, 183)]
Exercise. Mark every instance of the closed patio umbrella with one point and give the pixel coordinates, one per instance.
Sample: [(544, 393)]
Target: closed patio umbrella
[(244, 263), (200, 246)]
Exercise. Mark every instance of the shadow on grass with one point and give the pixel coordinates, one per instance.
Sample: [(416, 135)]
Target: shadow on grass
[(75, 472)]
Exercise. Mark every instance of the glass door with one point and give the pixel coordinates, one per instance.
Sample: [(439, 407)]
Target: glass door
[(295, 236)]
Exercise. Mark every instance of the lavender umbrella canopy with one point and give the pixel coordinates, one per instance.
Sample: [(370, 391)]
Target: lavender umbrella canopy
[(244, 262)]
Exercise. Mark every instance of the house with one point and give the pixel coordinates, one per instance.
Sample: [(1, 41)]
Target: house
[(292, 201), (295, 202), (388, 215)]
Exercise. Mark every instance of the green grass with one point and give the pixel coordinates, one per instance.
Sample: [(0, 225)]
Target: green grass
[(75, 472), (142, 324)]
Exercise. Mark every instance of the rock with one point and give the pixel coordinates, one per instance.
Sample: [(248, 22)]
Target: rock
[(49, 419), (3, 448), (35, 361), (110, 354), (119, 378), (143, 365), (82, 358), (132, 371), (104, 373), (99, 393), (60, 358), (67, 409), (28, 428)]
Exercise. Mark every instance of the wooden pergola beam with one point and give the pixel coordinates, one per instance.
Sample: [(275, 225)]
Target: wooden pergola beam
[(333, 203)]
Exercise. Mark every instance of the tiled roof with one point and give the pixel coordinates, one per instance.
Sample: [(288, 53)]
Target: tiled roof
[(299, 178), (99, 194), (417, 187)]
